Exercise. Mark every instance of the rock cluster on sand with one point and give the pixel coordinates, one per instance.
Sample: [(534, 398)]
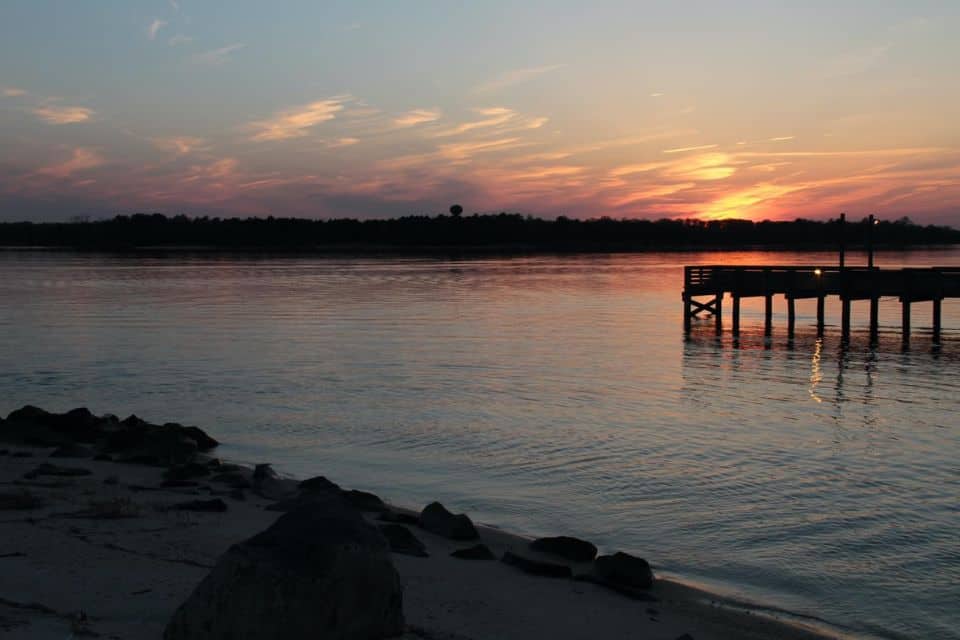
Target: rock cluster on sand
[(320, 571), (436, 519), (80, 434)]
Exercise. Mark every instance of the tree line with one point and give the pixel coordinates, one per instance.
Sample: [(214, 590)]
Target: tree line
[(504, 231)]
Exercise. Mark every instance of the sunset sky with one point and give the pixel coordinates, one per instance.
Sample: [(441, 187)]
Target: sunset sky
[(373, 109)]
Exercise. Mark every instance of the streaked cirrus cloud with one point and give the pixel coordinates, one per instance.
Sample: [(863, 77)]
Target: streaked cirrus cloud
[(180, 145), (296, 122), (155, 27), (13, 92), (80, 159), (62, 114), (216, 57), (417, 116), (514, 77)]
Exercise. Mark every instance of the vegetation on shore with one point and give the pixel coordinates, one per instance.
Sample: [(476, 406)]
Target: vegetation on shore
[(473, 233)]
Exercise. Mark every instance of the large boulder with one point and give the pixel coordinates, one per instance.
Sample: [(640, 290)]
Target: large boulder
[(436, 519), (320, 571), (567, 547), (624, 569)]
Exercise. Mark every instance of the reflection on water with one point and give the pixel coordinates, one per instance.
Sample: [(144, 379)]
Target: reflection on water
[(547, 395)]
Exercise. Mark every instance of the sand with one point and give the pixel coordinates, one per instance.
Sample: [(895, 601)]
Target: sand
[(114, 555)]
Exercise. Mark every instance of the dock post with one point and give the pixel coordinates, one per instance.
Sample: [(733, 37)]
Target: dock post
[(767, 314), (874, 319), (791, 316), (905, 320), (820, 309), (686, 312), (936, 319), (845, 318), (736, 315), (718, 312)]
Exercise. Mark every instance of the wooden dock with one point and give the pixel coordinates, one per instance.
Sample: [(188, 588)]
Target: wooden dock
[(704, 288)]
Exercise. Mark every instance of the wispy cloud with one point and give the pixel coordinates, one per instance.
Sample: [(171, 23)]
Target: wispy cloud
[(81, 159), (342, 142), (855, 62), (155, 27), (780, 139), (175, 6), (493, 116), (417, 116), (178, 39), (219, 56), (515, 77), (180, 145), (62, 114), (13, 92), (297, 121), (685, 149)]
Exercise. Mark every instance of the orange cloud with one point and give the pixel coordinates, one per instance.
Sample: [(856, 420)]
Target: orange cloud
[(81, 159), (297, 122), (417, 116), (62, 114)]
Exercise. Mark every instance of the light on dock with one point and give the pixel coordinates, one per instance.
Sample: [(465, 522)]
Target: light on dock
[(817, 272)]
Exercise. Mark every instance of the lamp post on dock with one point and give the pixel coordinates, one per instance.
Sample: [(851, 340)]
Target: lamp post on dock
[(843, 222), (871, 222)]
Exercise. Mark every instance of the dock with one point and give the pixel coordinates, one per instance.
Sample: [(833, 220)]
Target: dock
[(704, 289)]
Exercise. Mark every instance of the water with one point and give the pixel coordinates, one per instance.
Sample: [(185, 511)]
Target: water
[(545, 395)]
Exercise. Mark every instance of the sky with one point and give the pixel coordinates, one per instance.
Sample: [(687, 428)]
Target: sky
[(639, 109)]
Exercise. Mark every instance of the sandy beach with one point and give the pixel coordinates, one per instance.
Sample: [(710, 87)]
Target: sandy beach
[(110, 554)]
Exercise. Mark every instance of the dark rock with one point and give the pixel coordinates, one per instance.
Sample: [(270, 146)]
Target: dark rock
[(103, 457), (4, 452), (169, 446), (47, 469), (179, 484), (187, 471), (573, 549), (476, 552), (268, 484), (685, 636), (536, 567), (111, 480), (317, 572), (135, 422), (403, 541), (22, 454), (399, 517), (72, 450), (33, 425), (364, 500), (214, 506), (238, 494), (624, 569), (233, 479), (318, 483), (436, 519), (204, 441)]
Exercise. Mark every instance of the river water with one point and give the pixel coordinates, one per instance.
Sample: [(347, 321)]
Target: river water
[(545, 395)]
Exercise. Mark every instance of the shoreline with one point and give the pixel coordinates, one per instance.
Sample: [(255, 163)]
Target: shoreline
[(130, 558)]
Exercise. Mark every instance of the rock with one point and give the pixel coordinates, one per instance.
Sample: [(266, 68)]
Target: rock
[(233, 479), (364, 500), (268, 484), (238, 494), (187, 471), (103, 457), (47, 469), (320, 571), (179, 484), (436, 519), (72, 450), (573, 549), (536, 567), (21, 454), (168, 446), (685, 636), (476, 552), (111, 480), (624, 569), (204, 441), (399, 518), (318, 483), (403, 541), (213, 506)]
